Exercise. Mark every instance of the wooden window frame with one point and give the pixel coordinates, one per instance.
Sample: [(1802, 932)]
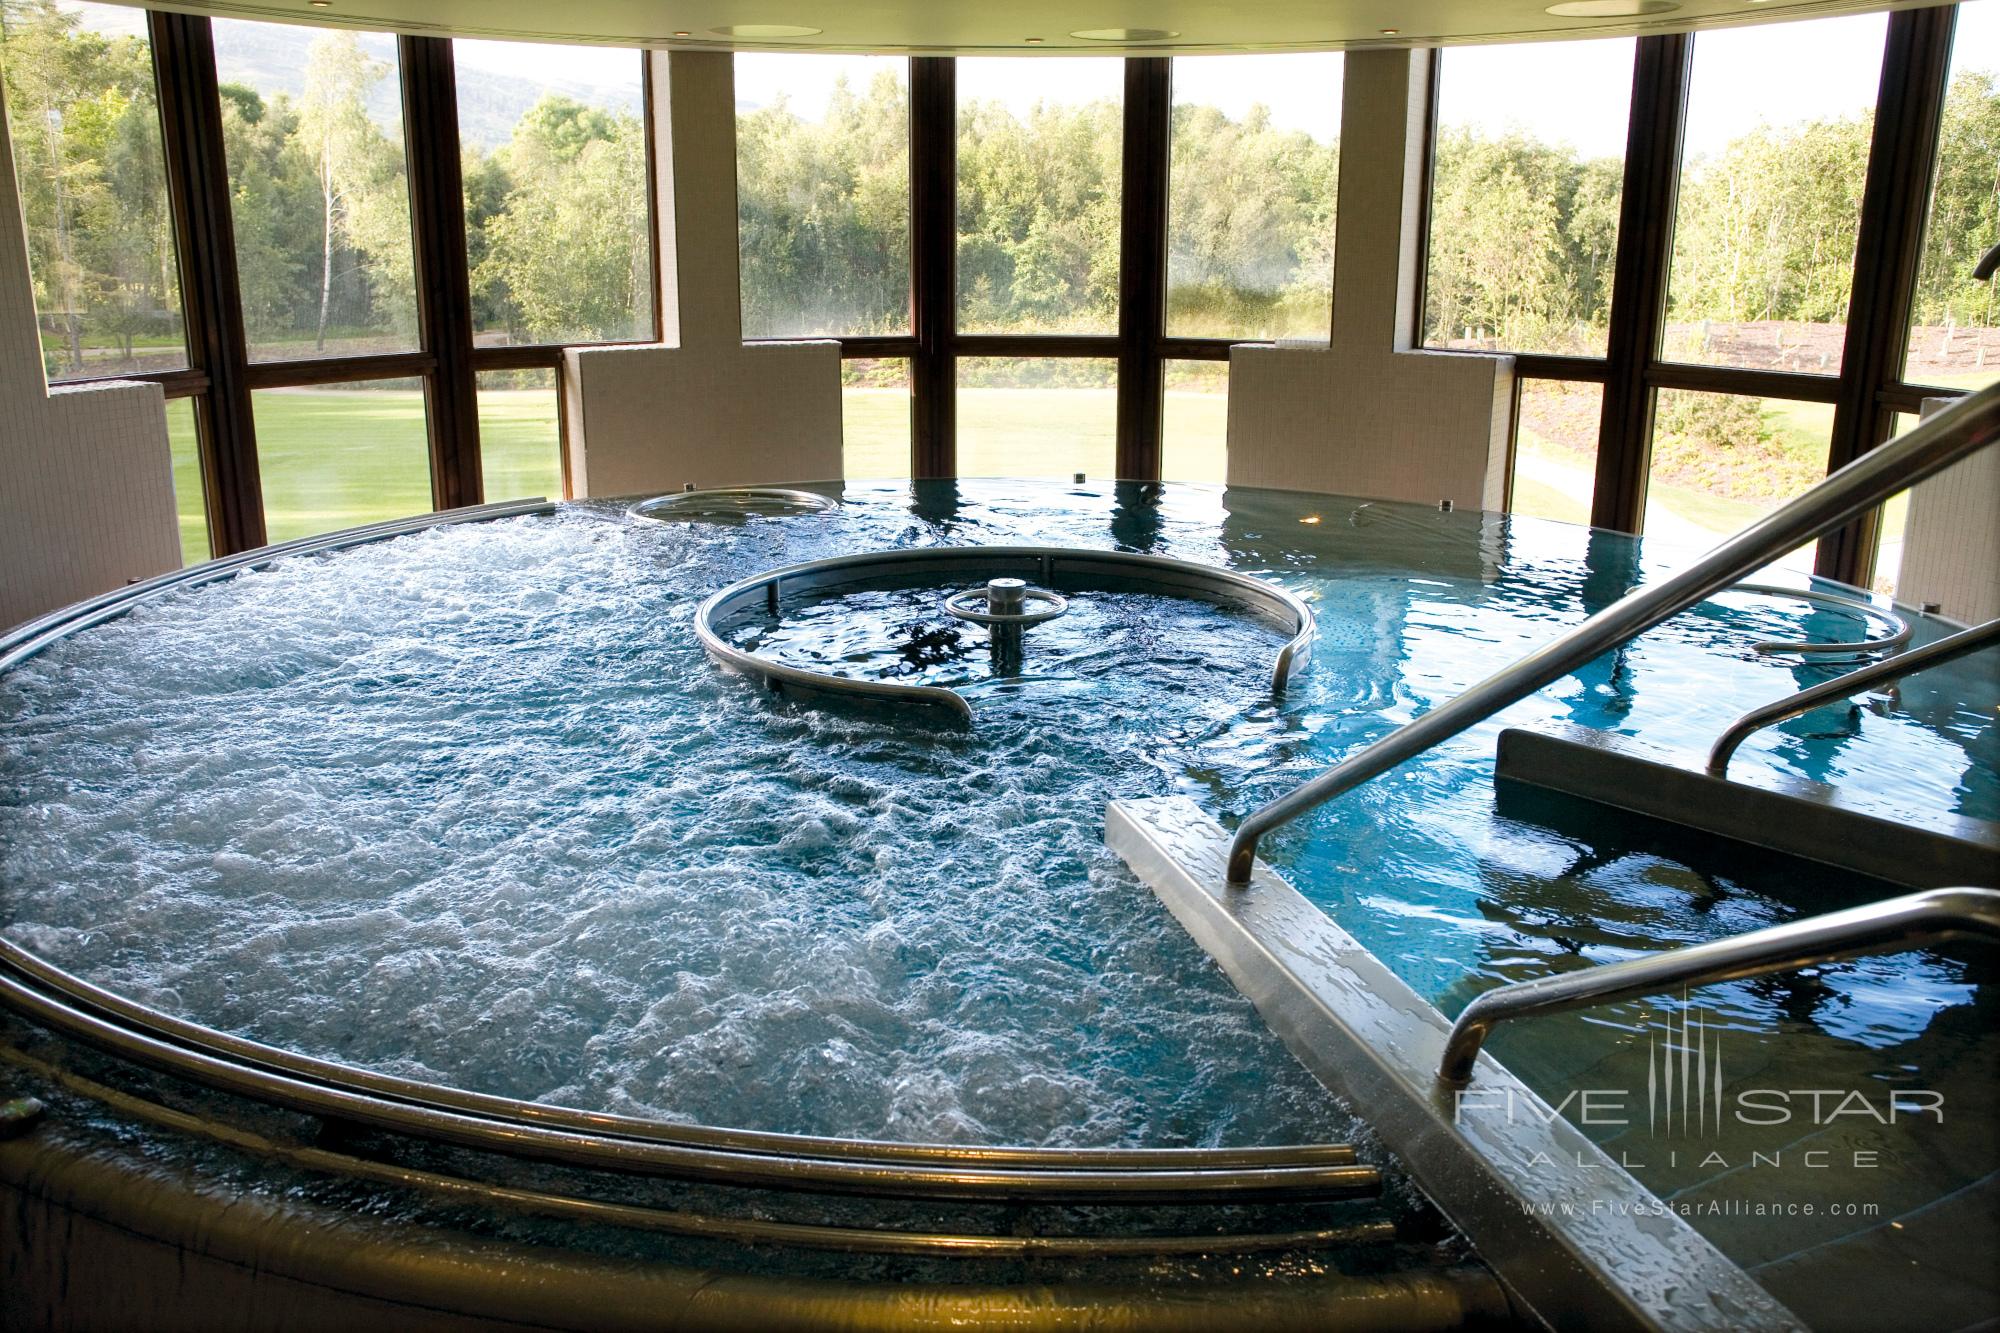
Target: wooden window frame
[(1870, 388), (221, 377), (1866, 394)]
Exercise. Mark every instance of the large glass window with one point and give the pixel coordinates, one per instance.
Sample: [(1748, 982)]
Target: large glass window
[(1723, 461), (312, 121), (86, 139), (341, 456), (1555, 449), (1045, 417), (1194, 421), (1955, 335), (558, 210), (1254, 175), (1528, 169), (823, 194), (1776, 153), (190, 503), (875, 418), (1040, 162), (520, 435)]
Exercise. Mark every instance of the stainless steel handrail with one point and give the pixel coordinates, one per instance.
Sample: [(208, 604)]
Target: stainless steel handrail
[(1899, 629), (1948, 649), (1967, 426), (858, 1238), (1884, 927)]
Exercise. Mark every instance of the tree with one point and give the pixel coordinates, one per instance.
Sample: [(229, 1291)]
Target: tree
[(1964, 207), (86, 143), (568, 252), (334, 130)]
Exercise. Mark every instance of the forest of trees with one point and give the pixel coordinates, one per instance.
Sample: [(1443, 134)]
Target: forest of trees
[(1523, 232), (85, 128), (556, 218)]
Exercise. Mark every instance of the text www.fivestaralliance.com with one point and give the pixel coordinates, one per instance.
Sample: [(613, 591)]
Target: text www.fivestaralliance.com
[(1696, 1208)]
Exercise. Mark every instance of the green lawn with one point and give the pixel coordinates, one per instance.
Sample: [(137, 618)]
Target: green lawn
[(336, 458), (1034, 433)]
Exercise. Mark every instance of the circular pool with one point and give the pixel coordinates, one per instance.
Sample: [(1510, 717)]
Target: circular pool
[(469, 819)]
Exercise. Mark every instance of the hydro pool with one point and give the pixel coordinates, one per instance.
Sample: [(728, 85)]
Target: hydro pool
[(472, 807)]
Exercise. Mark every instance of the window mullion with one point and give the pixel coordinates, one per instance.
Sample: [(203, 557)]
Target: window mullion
[(211, 298), (1888, 246), (1142, 265), (933, 265), (444, 295), (1639, 284)]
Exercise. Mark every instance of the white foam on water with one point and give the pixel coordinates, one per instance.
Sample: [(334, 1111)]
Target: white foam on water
[(471, 806)]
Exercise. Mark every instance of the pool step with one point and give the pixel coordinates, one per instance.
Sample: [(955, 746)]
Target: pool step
[(1576, 1238), (1797, 818)]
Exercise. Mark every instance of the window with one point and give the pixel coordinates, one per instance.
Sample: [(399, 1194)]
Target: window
[(520, 435), (1254, 173), (874, 419), (1722, 461), (86, 140), (190, 502), (313, 123), (823, 195), (1527, 172), (1040, 164), (1195, 422), (1045, 417), (1775, 156), (1555, 449), (1955, 335), (1893, 518), (558, 204), (341, 456)]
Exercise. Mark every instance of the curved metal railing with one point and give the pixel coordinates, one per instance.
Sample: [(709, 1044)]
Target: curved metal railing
[(1964, 428), (761, 594), (1936, 653), (1884, 927), (1899, 629)]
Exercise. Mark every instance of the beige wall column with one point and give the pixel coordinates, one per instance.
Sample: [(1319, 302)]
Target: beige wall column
[(86, 475), (700, 408), (1951, 538), (1368, 414)]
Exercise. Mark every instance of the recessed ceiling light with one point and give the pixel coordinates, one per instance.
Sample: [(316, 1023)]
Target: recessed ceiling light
[(1612, 9), (1123, 34), (1388, 32), (683, 34), (764, 30), (1032, 41), (320, 4)]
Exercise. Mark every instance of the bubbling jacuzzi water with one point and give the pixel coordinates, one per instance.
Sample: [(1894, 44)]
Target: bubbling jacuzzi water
[(472, 806)]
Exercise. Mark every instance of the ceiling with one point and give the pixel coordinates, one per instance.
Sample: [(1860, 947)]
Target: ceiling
[(952, 27)]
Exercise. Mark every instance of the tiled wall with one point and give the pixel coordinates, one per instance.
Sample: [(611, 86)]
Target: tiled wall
[(1367, 415), (86, 479), (705, 410), (1951, 541)]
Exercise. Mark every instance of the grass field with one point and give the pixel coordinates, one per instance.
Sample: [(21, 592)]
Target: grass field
[(332, 458), (1034, 433), (337, 458)]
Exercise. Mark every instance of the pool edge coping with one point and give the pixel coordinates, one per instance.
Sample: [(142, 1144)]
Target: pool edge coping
[(1566, 1229)]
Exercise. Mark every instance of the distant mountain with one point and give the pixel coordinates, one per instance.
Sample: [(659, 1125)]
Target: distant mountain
[(271, 57)]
